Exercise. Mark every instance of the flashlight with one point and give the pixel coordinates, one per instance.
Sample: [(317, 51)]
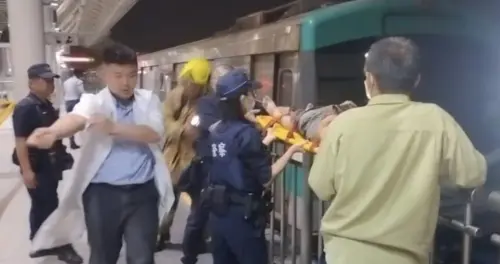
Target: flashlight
[(195, 121)]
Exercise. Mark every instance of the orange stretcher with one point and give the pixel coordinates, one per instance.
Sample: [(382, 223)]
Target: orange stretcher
[(286, 135)]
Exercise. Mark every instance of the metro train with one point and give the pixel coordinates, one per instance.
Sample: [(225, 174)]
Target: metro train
[(317, 57)]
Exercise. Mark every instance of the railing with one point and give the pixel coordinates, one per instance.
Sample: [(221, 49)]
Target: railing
[(292, 219)]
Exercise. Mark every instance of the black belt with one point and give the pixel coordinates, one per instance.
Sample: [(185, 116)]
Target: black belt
[(237, 198), (125, 187)]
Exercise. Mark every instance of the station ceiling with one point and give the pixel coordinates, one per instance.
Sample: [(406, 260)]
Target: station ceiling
[(153, 25)]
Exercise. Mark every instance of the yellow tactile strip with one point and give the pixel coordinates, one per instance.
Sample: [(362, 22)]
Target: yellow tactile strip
[(6, 108)]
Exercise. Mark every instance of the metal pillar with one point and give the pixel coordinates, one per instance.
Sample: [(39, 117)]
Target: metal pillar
[(26, 20), (307, 199)]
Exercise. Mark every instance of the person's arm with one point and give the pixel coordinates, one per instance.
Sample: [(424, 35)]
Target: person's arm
[(80, 87), (322, 173), (173, 128), (71, 123), (146, 133), (23, 125), (269, 138), (279, 165), (462, 164)]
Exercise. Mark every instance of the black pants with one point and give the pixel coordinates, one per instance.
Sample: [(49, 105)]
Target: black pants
[(194, 234), (121, 213), (69, 107), (44, 199)]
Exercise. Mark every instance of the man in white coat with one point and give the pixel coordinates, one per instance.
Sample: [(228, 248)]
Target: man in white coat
[(121, 184)]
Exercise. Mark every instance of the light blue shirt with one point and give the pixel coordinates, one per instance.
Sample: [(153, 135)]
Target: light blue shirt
[(128, 162)]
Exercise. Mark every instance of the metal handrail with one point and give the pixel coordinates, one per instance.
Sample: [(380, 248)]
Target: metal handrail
[(471, 230)]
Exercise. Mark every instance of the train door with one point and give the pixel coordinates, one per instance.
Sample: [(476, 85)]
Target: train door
[(288, 188), (287, 76), (263, 70)]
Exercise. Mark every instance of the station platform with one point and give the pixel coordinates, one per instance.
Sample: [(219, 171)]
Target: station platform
[(14, 208)]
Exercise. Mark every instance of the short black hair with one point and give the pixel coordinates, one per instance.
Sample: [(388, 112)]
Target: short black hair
[(394, 62), (117, 53), (78, 72), (231, 110)]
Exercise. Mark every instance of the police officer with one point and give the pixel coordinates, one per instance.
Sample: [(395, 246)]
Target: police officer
[(41, 169), (239, 169)]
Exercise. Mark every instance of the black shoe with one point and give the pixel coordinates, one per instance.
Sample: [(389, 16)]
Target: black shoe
[(68, 255), (163, 242), (65, 253), (43, 253), (161, 245)]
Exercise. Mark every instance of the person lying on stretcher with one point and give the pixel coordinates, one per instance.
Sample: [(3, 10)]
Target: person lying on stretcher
[(307, 122)]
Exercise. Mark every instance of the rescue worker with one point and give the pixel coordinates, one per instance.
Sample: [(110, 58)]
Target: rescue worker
[(179, 151), (380, 165), (240, 167), (195, 232), (41, 170)]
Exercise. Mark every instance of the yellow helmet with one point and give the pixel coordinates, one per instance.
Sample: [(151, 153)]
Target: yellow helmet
[(198, 70)]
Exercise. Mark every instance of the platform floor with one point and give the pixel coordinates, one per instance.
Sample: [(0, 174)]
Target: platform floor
[(14, 206)]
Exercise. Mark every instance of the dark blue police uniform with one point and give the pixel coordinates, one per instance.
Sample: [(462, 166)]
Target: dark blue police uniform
[(193, 241), (240, 166), (30, 113)]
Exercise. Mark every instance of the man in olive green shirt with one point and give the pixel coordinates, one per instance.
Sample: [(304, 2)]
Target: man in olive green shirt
[(381, 166)]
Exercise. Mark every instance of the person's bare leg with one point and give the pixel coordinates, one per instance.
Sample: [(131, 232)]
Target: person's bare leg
[(288, 121), (271, 108), (280, 113)]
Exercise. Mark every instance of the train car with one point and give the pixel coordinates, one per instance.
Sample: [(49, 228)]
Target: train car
[(318, 57)]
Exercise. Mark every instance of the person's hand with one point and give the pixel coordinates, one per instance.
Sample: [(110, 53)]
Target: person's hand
[(101, 124), (42, 138), (298, 147), (29, 179), (270, 135), (250, 115)]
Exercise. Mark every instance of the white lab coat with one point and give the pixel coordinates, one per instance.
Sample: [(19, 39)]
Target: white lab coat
[(66, 224)]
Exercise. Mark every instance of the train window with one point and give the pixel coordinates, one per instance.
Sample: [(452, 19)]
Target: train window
[(285, 87), (164, 85), (263, 71)]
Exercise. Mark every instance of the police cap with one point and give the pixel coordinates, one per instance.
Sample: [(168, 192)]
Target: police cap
[(234, 83), (41, 70)]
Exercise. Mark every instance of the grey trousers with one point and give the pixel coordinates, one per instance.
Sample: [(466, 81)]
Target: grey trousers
[(310, 120), (114, 214)]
